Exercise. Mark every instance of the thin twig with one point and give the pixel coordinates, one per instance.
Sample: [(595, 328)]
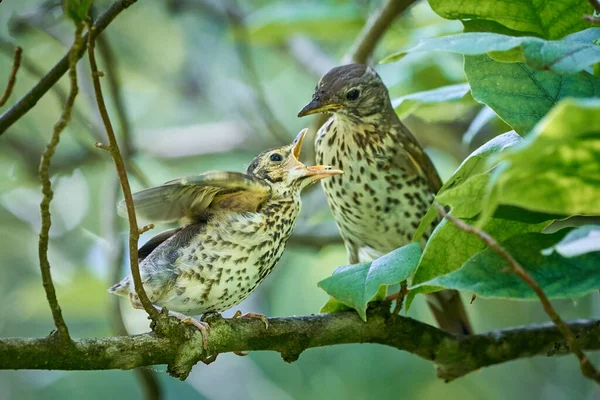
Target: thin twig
[(244, 51), (373, 31), (27, 102), (400, 297), (44, 172), (587, 368), (12, 78), (27, 65), (114, 88), (134, 231), (146, 377)]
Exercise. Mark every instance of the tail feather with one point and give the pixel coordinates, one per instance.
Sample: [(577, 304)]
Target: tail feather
[(121, 288), (449, 311)]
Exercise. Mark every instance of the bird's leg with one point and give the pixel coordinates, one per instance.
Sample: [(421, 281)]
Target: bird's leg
[(202, 326), (238, 314)]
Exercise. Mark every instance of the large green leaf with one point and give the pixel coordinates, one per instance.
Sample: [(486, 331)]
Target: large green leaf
[(570, 55), (444, 103), (582, 240), (486, 273), (356, 285), (550, 19), (475, 164), (556, 169), (276, 22), (520, 95), (449, 247)]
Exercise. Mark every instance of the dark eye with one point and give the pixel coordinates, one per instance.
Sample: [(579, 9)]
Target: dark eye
[(275, 157), (353, 94)]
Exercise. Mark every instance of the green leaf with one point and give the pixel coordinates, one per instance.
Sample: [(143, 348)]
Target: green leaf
[(555, 170), (570, 55), (475, 164), (356, 285), (520, 95), (334, 305), (276, 22), (486, 273), (77, 10), (550, 19), (581, 240), (429, 102), (449, 247)]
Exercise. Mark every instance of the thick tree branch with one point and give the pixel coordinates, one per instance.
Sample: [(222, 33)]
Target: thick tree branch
[(290, 336), (587, 368), (28, 101), (113, 148), (12, 78), (44, 171)]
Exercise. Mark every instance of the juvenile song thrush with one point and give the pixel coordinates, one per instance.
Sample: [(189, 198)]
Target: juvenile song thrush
[(389, 181), (236, 231)]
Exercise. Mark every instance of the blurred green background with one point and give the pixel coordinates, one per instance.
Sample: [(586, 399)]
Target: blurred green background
[(206, 84)]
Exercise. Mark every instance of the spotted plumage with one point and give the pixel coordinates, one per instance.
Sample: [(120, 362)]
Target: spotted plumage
[(235, 230), (389, 181)]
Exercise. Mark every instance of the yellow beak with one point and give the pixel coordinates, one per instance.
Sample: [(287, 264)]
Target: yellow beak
[(315, 107)]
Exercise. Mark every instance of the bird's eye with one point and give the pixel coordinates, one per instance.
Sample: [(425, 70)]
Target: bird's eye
[(275, 157), (353, 94)]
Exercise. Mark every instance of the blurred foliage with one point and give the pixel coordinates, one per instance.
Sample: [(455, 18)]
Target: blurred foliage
[(193, 106)]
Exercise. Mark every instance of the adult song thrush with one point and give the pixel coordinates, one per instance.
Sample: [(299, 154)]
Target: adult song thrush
[(389, 181), (236, 229)]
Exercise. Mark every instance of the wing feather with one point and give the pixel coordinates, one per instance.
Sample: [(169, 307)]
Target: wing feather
[(191, 196)]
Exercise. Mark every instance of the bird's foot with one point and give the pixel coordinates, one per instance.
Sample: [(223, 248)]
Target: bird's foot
[(238, 314), (202, 326)]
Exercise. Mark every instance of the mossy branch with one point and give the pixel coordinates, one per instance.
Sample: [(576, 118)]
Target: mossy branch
[(291, 336)]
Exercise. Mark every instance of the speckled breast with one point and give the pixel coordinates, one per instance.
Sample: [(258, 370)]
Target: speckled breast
[(377, 208)]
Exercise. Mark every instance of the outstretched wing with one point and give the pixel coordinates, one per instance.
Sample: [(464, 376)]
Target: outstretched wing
[(191, 196)]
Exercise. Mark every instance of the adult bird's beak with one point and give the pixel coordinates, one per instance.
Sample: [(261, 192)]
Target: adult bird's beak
[(317, 105)]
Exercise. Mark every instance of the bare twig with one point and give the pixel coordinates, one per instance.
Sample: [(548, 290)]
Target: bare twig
[(12, 78), (400, 297), (134, 231), (116, 251), (30, 67), (374, 29), (587, 368), (44, 171), (114, 88), (28, 101), (240, 32)]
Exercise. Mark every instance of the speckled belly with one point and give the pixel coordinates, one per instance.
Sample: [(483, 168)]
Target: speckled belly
[(220, 267)]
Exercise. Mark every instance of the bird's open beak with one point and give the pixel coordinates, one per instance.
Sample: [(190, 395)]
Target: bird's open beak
[(319, 172), (315, 106), (300, 170), (297, 143)]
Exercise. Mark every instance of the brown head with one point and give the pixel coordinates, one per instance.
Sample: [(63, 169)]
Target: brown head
[(353, 89), (281, 168)]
